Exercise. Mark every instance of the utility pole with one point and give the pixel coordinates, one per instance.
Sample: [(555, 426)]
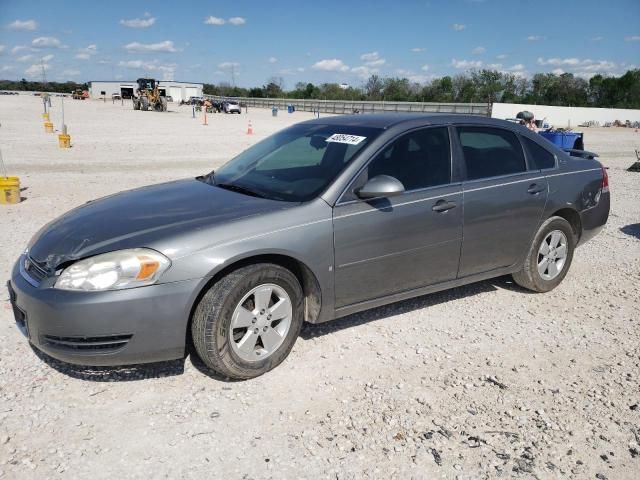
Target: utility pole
[(44, 75)]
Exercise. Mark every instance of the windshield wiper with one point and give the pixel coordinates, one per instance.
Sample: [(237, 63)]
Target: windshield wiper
[(208, 178), (240, 189)]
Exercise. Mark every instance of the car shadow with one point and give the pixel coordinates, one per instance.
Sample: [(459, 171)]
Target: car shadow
[(505, 282), (632, 229), (121, 373)]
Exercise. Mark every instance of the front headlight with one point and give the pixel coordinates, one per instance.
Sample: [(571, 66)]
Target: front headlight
[(114, 271)]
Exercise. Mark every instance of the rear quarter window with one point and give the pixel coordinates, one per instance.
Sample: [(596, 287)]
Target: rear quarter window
[(539, 157)]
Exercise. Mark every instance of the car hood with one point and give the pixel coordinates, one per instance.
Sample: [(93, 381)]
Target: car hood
[(140, 217)]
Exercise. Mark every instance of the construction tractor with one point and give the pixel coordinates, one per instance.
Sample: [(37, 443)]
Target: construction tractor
[(79, 94), (147, 96)]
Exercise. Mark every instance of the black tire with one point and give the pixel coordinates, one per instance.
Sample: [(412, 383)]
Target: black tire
[(136, 105), (529, 277), (163, 101), (212, 318), (144, 103)]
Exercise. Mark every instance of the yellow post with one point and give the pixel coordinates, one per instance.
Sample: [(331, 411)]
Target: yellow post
[(64, 140), (9, 190), (48, 127), (45, 117)]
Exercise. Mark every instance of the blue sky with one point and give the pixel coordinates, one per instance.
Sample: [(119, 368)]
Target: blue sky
[(329, 41)]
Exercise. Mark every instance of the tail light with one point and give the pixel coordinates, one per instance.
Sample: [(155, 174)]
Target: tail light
[(605, 180)]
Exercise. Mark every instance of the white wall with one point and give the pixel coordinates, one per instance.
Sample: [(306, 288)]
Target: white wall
[(194, 89), (566, 116)]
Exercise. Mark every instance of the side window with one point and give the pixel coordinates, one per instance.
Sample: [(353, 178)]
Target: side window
[(418, 159), (541, 158), (490, 152)]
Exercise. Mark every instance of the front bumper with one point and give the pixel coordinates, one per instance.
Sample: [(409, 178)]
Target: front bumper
[(121, 327)]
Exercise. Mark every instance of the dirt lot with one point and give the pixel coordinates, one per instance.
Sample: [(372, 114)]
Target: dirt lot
[(484, 381)]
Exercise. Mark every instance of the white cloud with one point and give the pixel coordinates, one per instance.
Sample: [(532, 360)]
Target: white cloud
[(46, 58), (458, 27), (237, 21), (35, 70), (2, 49), (300, 69), (211, 20), (465, 64), (27, 25), (363, 71), (418, 49), (536, 38), (597, 39), (47, 42), (417, 78), (368, 57), (517, 67), (330, 65), (585, 68), (494, 66), (502, 56), (71, 73), (228, 65), (273, 59), (87, 52), (166, 46), (632, 38), (479, 50), (19, 48), (24, 58), (372, 59), (412, 76), (138, 22), (167, 70), (6, 68), (558, 61), (557, 71), (424, 68)]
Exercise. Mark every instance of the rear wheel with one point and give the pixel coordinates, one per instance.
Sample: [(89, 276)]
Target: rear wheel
[(549, 256), (136, 104), (248, 322), (144, 103)]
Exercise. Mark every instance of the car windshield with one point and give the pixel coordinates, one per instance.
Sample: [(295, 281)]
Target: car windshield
[(295, 164)]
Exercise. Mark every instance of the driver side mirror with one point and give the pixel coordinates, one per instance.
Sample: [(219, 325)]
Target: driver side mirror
[(381, 186)]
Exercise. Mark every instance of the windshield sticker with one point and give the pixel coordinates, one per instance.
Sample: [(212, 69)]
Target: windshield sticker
[(344, 138)]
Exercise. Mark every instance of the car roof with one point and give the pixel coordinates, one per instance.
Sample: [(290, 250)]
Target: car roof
[(386, 120)]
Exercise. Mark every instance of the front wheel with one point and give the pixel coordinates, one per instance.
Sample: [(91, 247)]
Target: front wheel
[(247, 323), (549, 256)]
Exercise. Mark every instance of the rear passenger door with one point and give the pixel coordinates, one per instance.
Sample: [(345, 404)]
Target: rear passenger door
[(503, 199)]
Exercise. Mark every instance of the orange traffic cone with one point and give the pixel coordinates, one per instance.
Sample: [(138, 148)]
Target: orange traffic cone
[(250, 129)]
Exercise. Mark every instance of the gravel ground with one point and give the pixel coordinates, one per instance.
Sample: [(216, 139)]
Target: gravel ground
[(483, 381)]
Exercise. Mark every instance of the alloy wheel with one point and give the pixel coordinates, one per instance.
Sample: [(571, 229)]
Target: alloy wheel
[(552, 255), (260, 322)]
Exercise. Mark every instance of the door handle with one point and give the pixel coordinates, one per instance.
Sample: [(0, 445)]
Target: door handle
[(443, 206), (535, 189)]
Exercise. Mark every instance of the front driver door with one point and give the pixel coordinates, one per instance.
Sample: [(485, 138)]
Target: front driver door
[(389, 245)]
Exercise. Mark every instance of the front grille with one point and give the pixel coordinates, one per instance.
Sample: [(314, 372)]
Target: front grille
[(36, 270), (105, 343)]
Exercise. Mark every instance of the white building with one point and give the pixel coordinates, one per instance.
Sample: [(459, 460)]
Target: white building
[(177, 90)]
